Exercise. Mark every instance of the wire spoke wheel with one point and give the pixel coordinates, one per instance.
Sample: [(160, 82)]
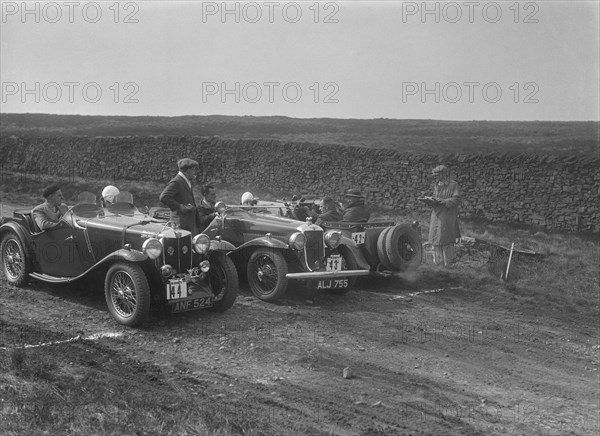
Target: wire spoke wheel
[(14, 259), (267, 270), (127, 293), (16, 262), (123, 294)]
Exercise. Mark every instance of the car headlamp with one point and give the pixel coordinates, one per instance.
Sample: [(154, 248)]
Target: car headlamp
[(204, 266), (152, 248), (201, 243), (333, 238), (298, 241)]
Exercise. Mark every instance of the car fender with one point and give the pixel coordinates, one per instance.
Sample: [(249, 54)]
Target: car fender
[(221, 246), (345, 240), (122, 254), (17, 228), (358, 255), (264, 242)]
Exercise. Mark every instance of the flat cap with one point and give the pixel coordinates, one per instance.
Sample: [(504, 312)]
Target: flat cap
[(439, 169), (353, 193), (328, 200), (50, 190), (186, 163)]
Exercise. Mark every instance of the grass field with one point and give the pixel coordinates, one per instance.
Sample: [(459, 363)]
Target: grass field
[(418, 136)]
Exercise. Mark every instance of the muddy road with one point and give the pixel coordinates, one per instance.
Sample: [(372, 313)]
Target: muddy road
[(433, 356)]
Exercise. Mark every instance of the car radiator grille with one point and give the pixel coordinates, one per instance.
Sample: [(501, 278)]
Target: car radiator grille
[(178, 252), (314, 250)]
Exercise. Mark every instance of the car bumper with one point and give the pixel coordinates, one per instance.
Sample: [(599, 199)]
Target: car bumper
[(328, 274)]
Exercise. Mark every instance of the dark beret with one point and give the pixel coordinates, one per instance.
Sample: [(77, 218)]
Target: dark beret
[(50, 190), (353, 193), (186, 163)]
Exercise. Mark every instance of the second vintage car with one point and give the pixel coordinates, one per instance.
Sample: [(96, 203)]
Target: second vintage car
[(140, 259), (271, 250)]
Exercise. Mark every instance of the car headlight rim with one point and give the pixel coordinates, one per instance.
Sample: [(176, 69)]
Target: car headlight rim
[(333, 238), (298, 241), (201, 243), (152, 248)]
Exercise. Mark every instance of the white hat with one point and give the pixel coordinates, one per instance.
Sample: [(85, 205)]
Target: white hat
[(109, 193), (247, 198)]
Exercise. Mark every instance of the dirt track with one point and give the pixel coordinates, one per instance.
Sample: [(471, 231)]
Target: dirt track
[(456, 361)]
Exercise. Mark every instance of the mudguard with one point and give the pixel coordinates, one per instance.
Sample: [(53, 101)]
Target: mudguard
[(358, 255), (264, 242), (345, 240), (22, 234), (221, 246)]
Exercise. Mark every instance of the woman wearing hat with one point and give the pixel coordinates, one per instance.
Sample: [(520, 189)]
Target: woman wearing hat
[(443, 229)]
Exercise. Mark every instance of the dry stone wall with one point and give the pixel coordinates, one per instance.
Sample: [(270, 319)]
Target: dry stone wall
[(553, 192)]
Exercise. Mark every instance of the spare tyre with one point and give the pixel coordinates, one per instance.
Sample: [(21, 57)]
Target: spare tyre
[(381, 250), (403, 247)]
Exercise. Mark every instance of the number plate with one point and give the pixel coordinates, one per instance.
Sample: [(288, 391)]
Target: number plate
[(332, 284), (176, 289), (358, 237), (191, 304), (334, 263)]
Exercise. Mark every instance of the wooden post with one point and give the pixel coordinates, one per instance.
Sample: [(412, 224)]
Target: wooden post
[(509, 259)]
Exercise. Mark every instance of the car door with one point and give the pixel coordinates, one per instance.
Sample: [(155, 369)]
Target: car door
[(57, 252)]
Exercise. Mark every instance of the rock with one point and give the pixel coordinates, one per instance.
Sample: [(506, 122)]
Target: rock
[(378, 403), (347, 373), (176, 340)]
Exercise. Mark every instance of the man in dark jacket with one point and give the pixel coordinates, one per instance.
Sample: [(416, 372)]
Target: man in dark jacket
[(355, 210), (48, 214), (206, 209), (330, 212), (179, 196)]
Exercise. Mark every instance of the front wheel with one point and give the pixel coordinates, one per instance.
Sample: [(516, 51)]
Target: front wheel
[(223, 281), (127, 293), (348, 263), (267, 272), (16, 262)]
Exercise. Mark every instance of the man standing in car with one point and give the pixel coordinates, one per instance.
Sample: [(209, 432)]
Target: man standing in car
[(179, 196)]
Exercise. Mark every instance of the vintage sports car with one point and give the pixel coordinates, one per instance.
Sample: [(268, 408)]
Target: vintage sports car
[(381, 246), (270, 250), (141, 259)]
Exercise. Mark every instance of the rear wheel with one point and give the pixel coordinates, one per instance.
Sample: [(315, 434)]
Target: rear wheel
[(381, 250), (127, 293), (267, 272), (16, 262), (403, 247), (348, 263), (223, 281)]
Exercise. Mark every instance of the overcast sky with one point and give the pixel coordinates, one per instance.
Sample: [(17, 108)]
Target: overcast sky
[(472, 60)]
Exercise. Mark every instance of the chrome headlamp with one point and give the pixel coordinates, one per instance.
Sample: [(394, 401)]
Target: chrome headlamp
[(297, 241), (201, 243), (152, 248), (332, 238)]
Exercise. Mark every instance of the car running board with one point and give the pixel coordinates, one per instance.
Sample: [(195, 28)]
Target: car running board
[(52, 279)]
